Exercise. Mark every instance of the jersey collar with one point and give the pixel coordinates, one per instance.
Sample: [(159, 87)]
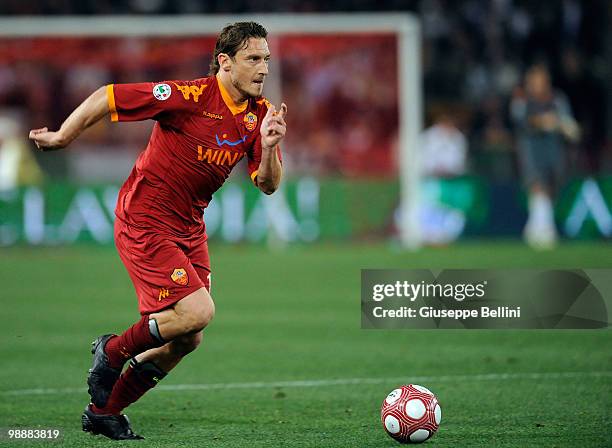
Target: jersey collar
[(229, 102)]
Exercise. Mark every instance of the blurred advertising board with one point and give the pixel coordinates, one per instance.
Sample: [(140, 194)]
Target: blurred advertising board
[(309, 209)]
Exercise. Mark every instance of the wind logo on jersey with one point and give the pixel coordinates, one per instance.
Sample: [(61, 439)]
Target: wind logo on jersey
[(189, 91), (162, 91), (163, 293), (180, 277), (250, 121), (229, 142), (219, 156)]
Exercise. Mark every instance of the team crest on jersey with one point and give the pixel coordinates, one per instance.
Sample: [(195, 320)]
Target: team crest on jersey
[(250, 121), (162, 92), (180, 277)]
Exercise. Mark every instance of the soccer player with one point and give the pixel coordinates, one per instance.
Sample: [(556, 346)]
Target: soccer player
[(543, 120), (203, 128)]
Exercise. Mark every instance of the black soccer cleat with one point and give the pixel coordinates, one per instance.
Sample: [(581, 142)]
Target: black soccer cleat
[(102, 377), (116, 427)]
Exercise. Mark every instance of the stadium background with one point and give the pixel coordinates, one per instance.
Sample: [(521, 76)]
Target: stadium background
[(289, 313)]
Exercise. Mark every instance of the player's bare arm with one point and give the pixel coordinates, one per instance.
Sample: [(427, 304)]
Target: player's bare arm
[(86, 114), (273, 129)]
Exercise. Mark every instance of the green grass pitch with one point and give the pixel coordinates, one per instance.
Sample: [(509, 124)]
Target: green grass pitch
[(294, 316)]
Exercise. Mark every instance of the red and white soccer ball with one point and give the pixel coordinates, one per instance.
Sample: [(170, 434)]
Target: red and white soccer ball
[(411, 414)]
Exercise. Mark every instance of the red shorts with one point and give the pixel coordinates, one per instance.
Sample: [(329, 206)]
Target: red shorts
[(163, 268)]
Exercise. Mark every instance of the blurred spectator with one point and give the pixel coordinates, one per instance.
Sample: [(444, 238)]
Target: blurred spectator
[(443, 149), (18, 166), (443, 158), (543, 119)]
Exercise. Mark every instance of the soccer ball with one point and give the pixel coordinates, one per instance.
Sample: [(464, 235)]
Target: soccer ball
[(411, 414)]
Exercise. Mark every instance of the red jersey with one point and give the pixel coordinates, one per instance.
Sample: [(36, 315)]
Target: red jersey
[(199, 136)]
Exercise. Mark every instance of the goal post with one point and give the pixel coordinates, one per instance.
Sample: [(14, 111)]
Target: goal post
[(404, 25)]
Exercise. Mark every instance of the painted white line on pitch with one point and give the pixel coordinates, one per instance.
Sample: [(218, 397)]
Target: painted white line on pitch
[(336, 382)]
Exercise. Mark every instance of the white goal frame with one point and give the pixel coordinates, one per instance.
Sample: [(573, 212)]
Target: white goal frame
[(405, 25)]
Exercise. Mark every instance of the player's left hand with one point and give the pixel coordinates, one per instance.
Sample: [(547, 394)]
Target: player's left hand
[(273, 126)]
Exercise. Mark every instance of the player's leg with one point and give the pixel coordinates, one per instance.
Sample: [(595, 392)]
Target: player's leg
[(163, 276), (168, 356), (169, 289), (189, 315), (149, 367), (539, 231), (183, 314), (146, 370)]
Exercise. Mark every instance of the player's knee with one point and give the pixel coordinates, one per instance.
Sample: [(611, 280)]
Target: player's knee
[(204, 315), (197, 312), (184, 345)]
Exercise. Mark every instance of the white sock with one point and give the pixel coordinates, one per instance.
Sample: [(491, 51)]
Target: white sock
[(540, 229)]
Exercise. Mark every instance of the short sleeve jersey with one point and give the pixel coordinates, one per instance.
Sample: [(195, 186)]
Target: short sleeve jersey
[(199, 136)]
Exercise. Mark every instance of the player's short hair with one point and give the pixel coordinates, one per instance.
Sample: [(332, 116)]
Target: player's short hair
[(232, 38)]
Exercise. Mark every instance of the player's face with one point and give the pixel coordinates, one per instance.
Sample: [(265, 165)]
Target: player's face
[(538, 83), (250, 67)]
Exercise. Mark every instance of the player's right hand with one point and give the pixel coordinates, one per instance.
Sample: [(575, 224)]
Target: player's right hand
[(47, 140)]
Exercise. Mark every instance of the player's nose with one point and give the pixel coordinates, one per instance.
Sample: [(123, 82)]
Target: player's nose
[(263, 68)]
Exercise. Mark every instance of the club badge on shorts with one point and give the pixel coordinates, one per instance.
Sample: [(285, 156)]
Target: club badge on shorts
[(250, 121), (180, 277), (162, 92)]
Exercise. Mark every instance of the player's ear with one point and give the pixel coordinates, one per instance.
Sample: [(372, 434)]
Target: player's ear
[(225, 62)]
